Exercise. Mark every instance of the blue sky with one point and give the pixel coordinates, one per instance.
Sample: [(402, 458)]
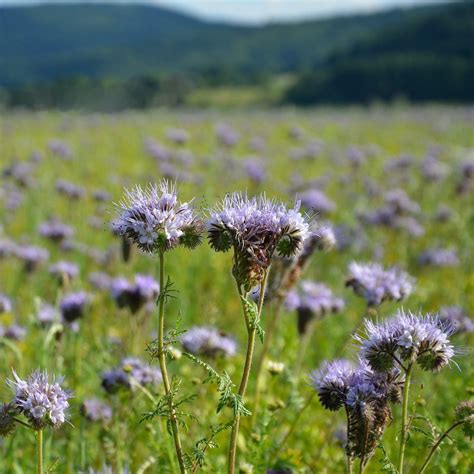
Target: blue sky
[(257, 11)]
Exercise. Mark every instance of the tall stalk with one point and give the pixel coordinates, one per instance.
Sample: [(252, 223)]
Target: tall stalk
[(403, 436), (438, 442), (164, 370), (39, 463), (251, 335)]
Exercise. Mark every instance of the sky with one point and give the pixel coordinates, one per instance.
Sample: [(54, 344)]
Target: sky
[(259, 11)]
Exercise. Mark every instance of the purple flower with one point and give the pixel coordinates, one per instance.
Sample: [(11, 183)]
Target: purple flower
[(55, 230), (132, 371), (155, 220), (100, 195), (312, 301), (407, 337), (64, 270), (134, 296), (31, 256), (100, 280), (438, 257), (204, 340), (315, 200), (375, 284), (331, 382), (69, 190), (73, 306), (15, 332), (226, 135), (41, 400), (59, 148), (256, 228), (47, 314), (457, 317), (177, 135), (255, 170), (95, 410), (5, 304)]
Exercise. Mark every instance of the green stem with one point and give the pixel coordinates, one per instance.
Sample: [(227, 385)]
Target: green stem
[(164, 370), (403, 436), (438, 442), (252, 331), (39, 464), (350, 462)]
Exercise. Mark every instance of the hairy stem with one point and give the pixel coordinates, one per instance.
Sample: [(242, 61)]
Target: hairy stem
[(164, 370), (252, 332), (438, 442), (350, 462), (403, 436), (39, 463)]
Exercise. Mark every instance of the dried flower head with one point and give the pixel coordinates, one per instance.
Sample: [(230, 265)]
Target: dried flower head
[(155, 220), (375, 284), (255, 228), (41, 399), (407, 337)]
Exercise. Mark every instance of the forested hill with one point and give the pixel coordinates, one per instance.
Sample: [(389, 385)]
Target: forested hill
[(46, 42)]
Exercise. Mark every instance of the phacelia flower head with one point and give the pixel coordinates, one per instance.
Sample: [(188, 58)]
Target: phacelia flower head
[(208, 341), (256, 228), (7, 419), (456, 316), (5, 304), (376, 284), (134, 295), (95, 410), (130, 373), (64, 270), (409, 338), (31, 256), (331, 382), (73, 305), (41, 399), (155, 220), (366, 396), (312, 301), (55, 230)]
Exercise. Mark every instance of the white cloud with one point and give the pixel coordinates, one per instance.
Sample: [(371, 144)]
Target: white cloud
[(256, 11)]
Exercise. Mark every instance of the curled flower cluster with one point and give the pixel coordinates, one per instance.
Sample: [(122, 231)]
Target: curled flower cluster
[(312, 300), (41, 400), (366, 397), (155, 220), (456, 316), (407, 338), (375, 284), (130, 373), (203, 340), (256, 228), (134, 295)]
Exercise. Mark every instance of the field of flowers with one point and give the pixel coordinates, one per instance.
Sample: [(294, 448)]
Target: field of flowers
[(384, 231)]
